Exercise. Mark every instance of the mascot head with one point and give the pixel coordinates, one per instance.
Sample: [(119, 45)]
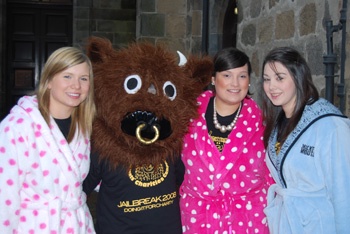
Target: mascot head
[(145, 97)]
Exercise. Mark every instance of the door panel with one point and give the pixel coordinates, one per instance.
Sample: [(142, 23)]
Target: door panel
[(34, 32)]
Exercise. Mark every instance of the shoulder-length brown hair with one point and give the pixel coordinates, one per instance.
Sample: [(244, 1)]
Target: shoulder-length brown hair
[(83, 115)]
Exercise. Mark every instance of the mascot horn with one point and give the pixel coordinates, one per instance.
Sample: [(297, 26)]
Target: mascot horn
[(145, 96)]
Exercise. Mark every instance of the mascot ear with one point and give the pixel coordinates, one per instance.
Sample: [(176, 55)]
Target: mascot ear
[(200, 69), (99, 49)]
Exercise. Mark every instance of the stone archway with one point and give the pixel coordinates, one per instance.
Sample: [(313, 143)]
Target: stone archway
[(223, 19)]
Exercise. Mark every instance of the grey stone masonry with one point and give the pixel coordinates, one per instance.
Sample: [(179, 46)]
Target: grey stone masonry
[(265, 24), (261, 25), (115, 20), (177, 24)]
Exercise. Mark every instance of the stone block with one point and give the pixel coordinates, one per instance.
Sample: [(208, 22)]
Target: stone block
[(148, 39), (153, 25), (82, 25), (115, 4), (83, 3), (314, 55), (197, 5), (174, 44), (196, 45), (122, 39), (172, 7), (175, 26), (248, 36), (105, 25), (285, 25), (148, 6), (255, 8), (197, 23), (265, 28), (113, 14), (82, 13), (307, 20)]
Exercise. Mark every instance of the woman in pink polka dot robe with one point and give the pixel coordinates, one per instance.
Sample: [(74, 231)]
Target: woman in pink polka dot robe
[(226, 178), (43, 159)]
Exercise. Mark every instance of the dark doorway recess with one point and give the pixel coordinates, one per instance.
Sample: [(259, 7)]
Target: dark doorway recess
[(229, 37), (34, 31)]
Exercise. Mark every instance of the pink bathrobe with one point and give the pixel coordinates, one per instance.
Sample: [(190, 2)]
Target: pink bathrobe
[(225, 192), (41, 175)]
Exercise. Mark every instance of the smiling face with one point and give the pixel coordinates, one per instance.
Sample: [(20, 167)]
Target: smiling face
[(279, 87), (68, 89), (231, 87)]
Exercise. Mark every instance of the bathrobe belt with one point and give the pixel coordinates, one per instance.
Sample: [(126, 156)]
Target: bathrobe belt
[(57, 209), (279, 196), (222, 204)]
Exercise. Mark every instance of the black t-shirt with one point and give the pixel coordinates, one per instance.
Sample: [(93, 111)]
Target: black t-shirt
[(64, 125), (218, 137), (143, 200)]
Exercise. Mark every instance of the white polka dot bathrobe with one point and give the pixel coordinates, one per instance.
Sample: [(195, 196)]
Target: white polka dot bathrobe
[(41, 175)]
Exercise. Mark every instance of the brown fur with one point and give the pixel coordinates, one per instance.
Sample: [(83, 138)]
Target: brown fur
[(154, 64)]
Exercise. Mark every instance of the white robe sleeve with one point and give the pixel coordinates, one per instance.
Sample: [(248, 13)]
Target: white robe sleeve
[(11, 178)]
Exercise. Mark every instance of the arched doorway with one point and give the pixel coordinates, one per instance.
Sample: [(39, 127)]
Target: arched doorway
[(229, 35)]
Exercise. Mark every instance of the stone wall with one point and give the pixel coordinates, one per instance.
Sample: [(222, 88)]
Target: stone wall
[(115, 20), (299, 24), (263, 24), (178, 24)]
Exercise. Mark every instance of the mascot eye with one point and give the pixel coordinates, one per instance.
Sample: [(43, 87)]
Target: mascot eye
[(132, 84), (169, 90)]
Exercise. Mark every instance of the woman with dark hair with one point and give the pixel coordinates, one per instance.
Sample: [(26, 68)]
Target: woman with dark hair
[(308, 150), (226, 178)]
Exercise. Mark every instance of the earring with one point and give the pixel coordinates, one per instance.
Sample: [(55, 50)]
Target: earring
[(212, 83)]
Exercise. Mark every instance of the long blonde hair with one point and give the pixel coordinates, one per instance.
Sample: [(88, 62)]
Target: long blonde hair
[(60, 60)]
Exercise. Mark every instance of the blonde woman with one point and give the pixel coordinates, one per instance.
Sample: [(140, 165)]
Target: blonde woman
[(45, 148)]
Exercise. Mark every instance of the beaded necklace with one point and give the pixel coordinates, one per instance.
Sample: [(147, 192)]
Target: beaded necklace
[(224, 128)]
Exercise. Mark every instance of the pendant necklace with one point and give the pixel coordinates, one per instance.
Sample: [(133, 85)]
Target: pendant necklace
[(229, 127)]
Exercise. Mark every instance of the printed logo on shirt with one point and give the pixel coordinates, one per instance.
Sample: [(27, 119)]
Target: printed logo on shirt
[(148, 203), (218, 140), (307, 150), (148, 175)]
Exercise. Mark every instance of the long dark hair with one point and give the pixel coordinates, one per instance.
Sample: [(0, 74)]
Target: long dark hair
[(306, 92)]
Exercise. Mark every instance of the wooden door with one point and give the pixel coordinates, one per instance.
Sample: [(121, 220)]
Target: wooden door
[(34, 31)]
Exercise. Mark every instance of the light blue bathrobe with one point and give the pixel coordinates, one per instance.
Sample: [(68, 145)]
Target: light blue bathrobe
[(312, 174)]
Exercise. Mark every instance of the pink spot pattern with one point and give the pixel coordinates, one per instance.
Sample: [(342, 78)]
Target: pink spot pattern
[(12, 162), (41, 168), (2, 150)]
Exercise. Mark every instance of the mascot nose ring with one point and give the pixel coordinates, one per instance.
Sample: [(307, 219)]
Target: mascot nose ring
[(147, 142)]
